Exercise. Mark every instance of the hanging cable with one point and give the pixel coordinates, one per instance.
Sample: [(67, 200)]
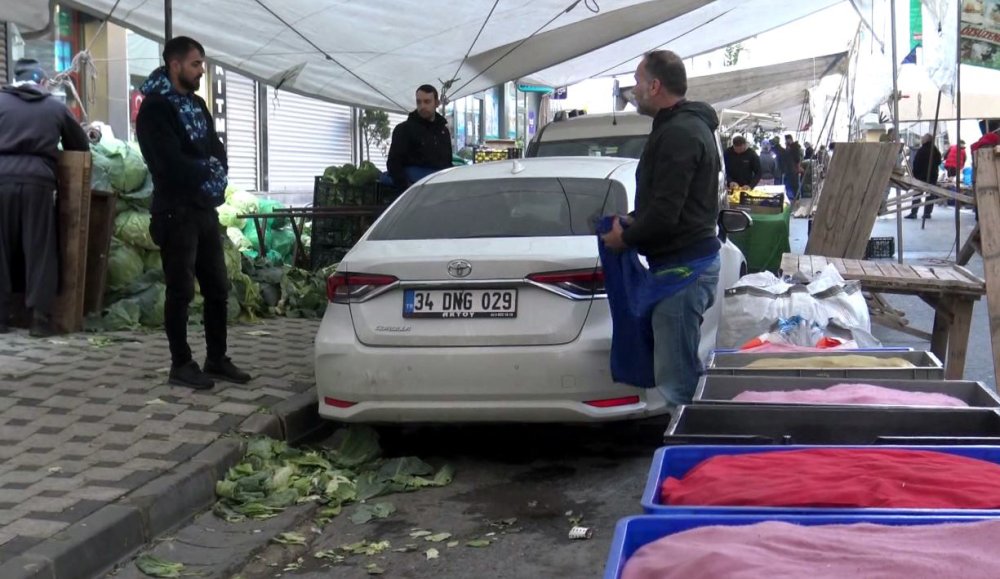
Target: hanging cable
[(446, 85), (326, 55), (595, 9)]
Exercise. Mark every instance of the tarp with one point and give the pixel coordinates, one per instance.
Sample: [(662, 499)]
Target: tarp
[(376, 53)]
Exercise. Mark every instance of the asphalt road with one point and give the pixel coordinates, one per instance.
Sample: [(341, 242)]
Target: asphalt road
[(545, 477)]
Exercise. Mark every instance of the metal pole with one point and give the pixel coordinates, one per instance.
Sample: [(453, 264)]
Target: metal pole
[(168, 20), (958, 129), (895, 130)]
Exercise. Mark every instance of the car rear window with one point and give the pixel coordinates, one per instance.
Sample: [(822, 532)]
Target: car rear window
[(628, 147), (526, 207)]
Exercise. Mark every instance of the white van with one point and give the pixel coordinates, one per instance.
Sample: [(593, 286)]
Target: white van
[(603, 135)]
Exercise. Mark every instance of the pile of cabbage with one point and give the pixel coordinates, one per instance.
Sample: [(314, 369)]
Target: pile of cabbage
[(261, 285)]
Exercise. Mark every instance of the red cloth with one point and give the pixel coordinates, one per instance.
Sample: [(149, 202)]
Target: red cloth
[(987, 140), (886, 478), (776, 550), (949, 160)]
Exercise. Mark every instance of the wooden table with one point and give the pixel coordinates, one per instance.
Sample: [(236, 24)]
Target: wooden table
[(951, 290)]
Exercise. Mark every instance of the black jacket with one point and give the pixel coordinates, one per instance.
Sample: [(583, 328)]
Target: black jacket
[(928, 158), (743, 169), (32, 123), (418, 143), (677, 186), (176, 163)]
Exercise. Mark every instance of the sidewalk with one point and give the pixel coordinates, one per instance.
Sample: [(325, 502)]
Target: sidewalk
[(87, 419)]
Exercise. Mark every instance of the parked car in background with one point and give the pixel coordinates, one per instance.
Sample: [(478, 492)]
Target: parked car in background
[(479, 296)]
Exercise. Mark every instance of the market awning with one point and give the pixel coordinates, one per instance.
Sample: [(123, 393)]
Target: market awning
[(375, 53)]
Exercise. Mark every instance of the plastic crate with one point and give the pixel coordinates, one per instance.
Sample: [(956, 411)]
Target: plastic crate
[(631, 533), (327, 194), (830, 425), (881, 248), (926, 365), (716, 389), (677, 461)]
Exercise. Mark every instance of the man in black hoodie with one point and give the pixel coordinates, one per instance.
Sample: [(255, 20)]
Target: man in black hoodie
[(32, 123), (674, 223), (421, 144), (188, 164)]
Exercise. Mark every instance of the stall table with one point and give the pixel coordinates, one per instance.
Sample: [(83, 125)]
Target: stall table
[(765, 242), (951, 290)]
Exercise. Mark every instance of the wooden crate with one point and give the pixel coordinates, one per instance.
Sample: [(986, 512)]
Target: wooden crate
[(73, 205), (102, 227)]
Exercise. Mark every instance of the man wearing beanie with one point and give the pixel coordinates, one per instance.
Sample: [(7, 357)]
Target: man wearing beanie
[(32, 124)]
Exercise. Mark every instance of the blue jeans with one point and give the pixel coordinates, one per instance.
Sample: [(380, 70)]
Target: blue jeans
[(676, 335)]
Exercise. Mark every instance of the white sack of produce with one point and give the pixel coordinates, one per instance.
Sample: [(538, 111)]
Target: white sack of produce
[(758, 301)]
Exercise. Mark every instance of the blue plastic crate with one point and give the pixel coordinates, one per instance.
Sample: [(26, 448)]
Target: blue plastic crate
[(677, 461), (631, 533)]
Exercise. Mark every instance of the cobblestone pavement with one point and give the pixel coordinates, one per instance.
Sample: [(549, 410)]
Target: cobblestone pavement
[(87, 418)]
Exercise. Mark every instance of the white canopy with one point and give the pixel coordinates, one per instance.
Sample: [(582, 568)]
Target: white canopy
[(376, 53)]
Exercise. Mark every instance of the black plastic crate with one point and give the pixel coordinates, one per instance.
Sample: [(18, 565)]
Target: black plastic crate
[(327, 194), (881, 248), (333, 236)]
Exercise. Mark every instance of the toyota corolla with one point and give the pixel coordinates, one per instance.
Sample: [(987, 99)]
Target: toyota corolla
[(478, 296)]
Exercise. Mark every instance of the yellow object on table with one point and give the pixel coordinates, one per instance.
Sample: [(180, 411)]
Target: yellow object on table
[(829, 361)]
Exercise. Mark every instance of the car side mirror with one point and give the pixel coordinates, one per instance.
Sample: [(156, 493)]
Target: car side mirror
[(734, 221)]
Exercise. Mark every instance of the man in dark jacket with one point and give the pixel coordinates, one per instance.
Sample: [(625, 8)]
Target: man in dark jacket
[(188, 164), (742, 164), (32, 123), (674, 223), (925, 168), (421, 144), (791, 167)]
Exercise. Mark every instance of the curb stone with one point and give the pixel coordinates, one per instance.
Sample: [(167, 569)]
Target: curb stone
[(117, 531)]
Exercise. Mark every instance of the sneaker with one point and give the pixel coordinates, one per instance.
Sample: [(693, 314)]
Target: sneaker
[(191, 376), (224, 369), (910, 216)]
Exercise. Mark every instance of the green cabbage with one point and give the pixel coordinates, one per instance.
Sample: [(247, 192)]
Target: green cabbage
[(132, 227), (127, 169), (124, 266), (239, 240), (151, 303), (151, 261), (228, 216), (244, 202)]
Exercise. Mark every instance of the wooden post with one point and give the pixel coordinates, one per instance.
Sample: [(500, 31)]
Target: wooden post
[(988, 200), (73, 205)]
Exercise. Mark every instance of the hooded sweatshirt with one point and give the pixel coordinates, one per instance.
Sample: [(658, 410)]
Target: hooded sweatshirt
[(178, 140), (677, 187), (417, 142), (32, 123)]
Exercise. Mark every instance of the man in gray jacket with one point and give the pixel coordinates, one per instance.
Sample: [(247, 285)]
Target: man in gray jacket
[(32, 124)]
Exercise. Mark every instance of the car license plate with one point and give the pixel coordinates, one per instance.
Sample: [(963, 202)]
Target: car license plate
[(497, 303)]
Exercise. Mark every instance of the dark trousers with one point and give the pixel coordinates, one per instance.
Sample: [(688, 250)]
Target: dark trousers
[(28, 236), (928, 209), (191, 247)]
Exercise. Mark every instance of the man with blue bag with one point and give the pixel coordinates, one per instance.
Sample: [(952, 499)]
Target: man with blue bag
[(674, 227)]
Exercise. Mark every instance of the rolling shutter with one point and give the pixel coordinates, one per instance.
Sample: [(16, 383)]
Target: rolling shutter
[(304, 137), (241, 130)]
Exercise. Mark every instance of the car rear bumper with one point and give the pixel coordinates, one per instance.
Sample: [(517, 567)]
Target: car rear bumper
[(470, 384)]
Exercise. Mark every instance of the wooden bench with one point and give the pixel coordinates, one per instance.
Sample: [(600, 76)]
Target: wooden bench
[(951, 290)]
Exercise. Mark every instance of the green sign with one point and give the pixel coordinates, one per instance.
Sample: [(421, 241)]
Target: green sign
[(916, 24)]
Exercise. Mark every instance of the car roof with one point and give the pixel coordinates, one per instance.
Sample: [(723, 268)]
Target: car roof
[(538, 167), (599, 125)]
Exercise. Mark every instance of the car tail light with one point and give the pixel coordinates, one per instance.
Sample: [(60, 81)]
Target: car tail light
[(613, 402), (343, 287), (337, 403), (578, 282)]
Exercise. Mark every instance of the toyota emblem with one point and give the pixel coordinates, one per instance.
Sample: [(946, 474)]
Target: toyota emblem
[(459, 268)]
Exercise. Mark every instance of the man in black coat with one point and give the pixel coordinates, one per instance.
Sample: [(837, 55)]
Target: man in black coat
[(32, 124), (925, 168), (742, 164), (188, 164), (674, 223), (421, 144)]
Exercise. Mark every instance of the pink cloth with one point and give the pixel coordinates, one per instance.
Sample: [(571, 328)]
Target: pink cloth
[(770, 348), (851, 394), (778, 550)]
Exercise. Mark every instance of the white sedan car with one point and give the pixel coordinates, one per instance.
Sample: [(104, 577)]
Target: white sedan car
[(478, 296)]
